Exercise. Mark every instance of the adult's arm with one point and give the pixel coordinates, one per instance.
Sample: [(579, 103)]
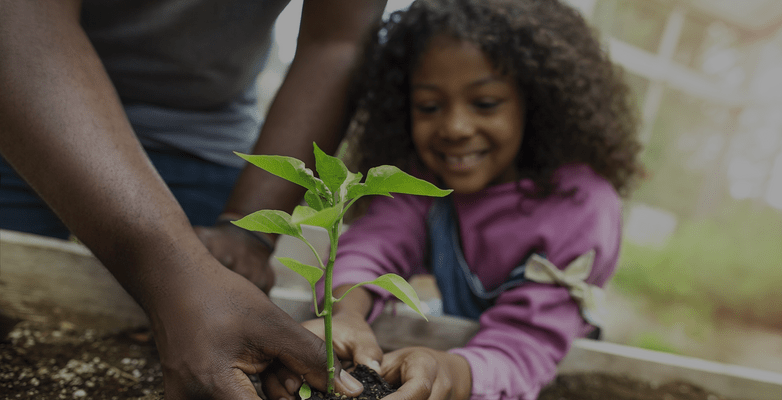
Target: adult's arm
[(309, 107), (62, 127)]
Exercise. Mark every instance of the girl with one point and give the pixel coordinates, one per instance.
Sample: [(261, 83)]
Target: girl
[(514, 106)]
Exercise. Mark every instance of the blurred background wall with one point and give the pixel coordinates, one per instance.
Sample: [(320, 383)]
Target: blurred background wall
[(702, 258), (701, 268)]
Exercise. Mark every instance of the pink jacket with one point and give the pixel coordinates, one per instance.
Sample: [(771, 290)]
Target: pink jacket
[(531, 327)]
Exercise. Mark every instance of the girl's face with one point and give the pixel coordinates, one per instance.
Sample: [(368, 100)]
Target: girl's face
[(467, 119)]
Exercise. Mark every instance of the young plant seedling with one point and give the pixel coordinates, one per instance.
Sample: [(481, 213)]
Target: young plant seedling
[(328, 197)]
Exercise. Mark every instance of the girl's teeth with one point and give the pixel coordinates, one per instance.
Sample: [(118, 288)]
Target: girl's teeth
[(462, 161)]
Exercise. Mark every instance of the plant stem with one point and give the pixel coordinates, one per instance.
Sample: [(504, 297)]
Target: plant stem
[(328, 305)]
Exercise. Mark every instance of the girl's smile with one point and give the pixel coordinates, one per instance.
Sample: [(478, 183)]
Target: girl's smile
[(464, 162), (467, 119)]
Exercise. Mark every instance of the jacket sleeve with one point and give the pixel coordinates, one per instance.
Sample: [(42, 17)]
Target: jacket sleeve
[(389, 238), (530, 328)]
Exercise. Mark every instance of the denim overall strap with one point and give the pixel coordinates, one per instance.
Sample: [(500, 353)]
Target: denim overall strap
[(462, 292)]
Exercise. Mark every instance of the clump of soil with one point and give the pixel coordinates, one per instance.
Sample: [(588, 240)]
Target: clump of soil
[(47, 362), (375, 387)]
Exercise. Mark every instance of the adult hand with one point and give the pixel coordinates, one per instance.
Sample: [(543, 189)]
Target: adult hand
[(427, 374), (214, 328), (238, 250), (353, 340)]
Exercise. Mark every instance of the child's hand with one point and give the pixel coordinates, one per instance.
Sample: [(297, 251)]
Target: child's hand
[(427, 374), (353, 338)]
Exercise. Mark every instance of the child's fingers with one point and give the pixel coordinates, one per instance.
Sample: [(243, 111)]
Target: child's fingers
[(366, 351), (273, 388), (315, 326), (362, 345), (415, 374), (290, 381), (281, 383), (370, 362)]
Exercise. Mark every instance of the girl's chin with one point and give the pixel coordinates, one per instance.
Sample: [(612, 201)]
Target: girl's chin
[(463, 186)]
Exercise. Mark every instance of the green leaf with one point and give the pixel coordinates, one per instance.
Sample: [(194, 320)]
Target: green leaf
[(326, 218), (399, 287), (270, 221), (351, 180), (331, 170), (310, 273), (314, 200), (288, 168), (304, 391), (387, 179)]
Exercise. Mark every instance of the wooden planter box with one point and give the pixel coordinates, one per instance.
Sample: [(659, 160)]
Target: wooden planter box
[(47, 279)]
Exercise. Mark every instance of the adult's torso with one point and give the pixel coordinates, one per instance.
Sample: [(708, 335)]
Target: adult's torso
[(189, 54)]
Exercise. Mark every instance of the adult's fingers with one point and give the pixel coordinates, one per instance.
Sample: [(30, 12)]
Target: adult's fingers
[(313, 365), (239, 251), (232, 383), (346, 384)]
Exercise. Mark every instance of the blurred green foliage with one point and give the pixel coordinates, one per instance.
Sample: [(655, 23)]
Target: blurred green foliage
[(655, 341), (729, 265), (639, 23)]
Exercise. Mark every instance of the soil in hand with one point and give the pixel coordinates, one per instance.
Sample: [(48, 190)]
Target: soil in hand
[(375, 387)]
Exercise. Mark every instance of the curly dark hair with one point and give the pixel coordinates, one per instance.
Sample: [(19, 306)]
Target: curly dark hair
[(578, 107)]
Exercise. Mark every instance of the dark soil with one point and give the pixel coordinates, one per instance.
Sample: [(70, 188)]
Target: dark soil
[(602, 387), (41, 361), (375, 387)]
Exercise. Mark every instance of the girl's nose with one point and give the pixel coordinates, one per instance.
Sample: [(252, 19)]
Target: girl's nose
[(458, 125)]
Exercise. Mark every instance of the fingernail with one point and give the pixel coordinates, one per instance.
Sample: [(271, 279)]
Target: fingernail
[(350, 382), (290, 384), (374, 365)]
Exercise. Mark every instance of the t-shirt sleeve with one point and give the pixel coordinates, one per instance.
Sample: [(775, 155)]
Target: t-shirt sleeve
[(530, 328)]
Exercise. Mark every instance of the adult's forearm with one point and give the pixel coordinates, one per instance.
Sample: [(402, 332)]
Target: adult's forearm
[(309, 106), (62, 127)]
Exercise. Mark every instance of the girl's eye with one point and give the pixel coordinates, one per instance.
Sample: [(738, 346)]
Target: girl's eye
[(427, 108), (486, 104)]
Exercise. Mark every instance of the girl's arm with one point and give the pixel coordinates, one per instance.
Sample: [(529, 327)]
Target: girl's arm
[(521, 340), (386, 239), (531, 327), (389, 238)]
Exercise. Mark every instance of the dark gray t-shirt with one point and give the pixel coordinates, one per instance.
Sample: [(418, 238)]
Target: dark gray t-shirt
[(186, 69)]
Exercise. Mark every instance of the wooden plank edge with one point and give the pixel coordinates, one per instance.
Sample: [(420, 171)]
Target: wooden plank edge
[(733, 381)]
